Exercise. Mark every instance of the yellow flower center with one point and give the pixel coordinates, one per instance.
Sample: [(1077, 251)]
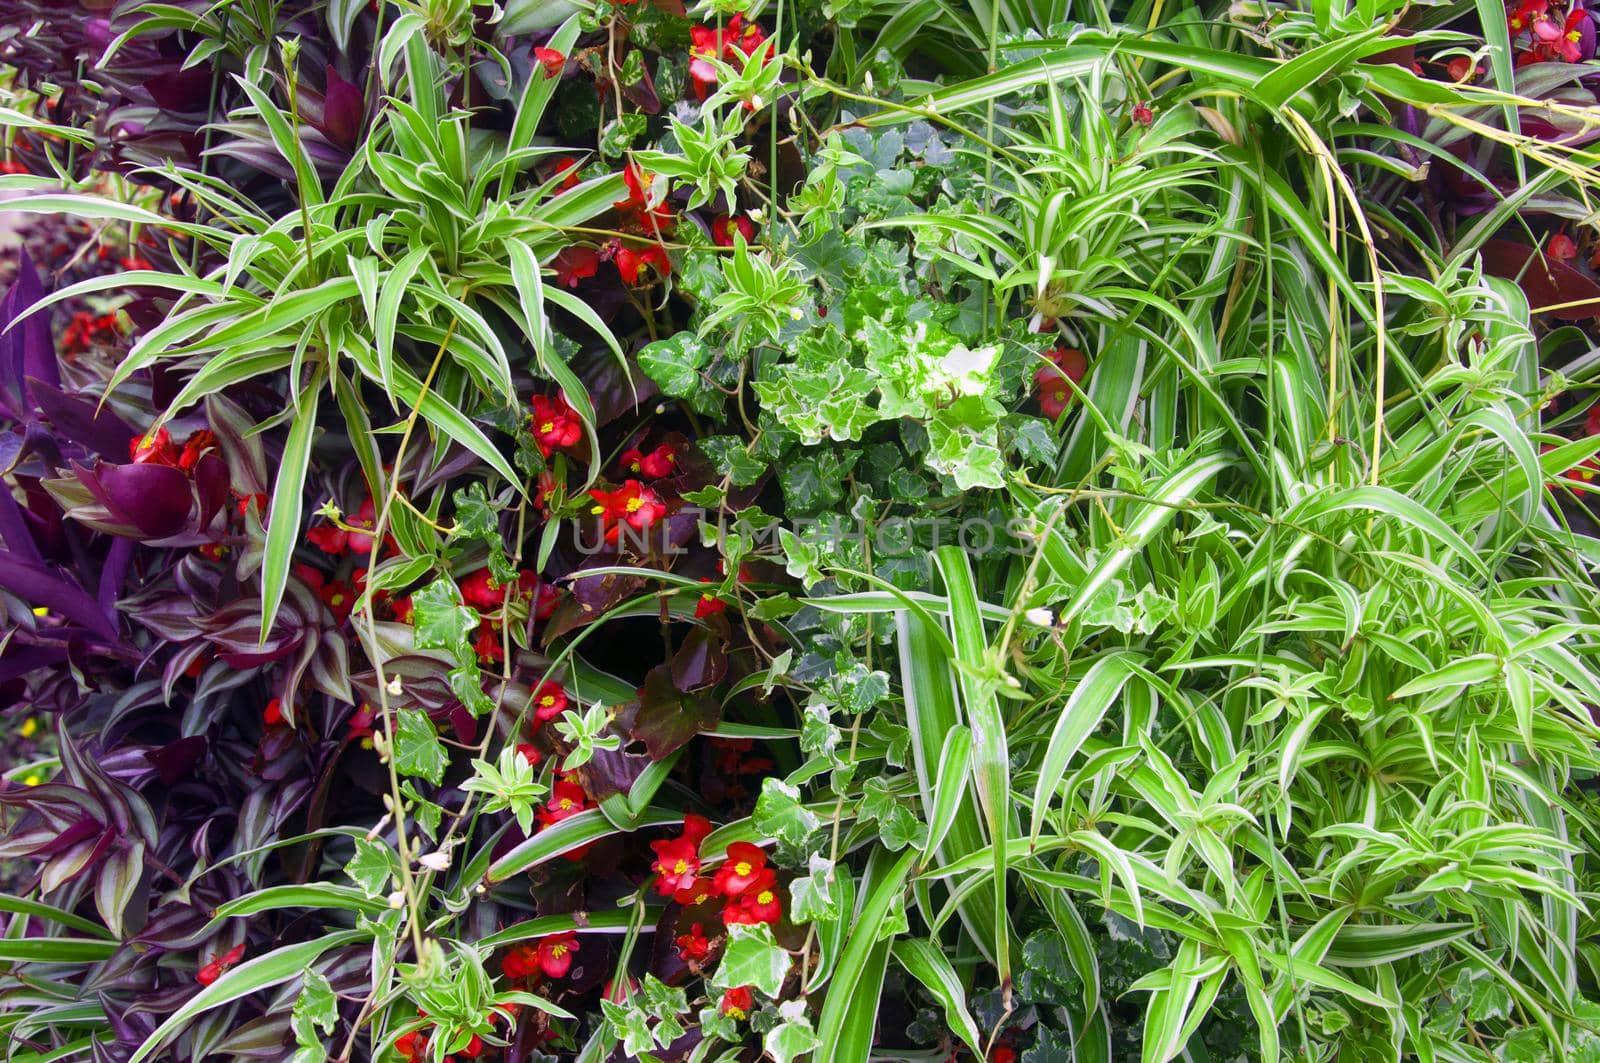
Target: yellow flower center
[(634, 504), (558, 951), (742, 868), (546, 428), (547, 701), (680, 867), (764, 897), (566, 803)]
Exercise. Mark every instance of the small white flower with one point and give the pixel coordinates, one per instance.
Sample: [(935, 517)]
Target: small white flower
[(394, 687), (1041, 617), (438, 860), (796, 313), (397, 899)]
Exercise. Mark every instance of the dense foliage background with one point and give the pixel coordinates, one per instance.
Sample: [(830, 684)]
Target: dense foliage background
[(823, 529)]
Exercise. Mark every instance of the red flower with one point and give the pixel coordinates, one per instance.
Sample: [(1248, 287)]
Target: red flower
[(1561, 247), (709, 604), (474, 1048), (567, 799), (551, 60), (741, 870), (214, 970), (757, 904), (529, 753), (333, 539), (402, 609), (1571, 44), (1460, 68), (339, 597), (195, 447), (575, 263), (735, 41), (488, 645), (549, 701), (654, 465), (545, 596), (566, 167), (85, 330), (641, 211), (698, 892), (521, 962), (1051, 379), (694, 947), (1591, 421), (1142, 114), (1577, 478), (153, 450), (736, 1003), (677, 861), (259, 499), (359, 726), (555, 954), (413, 1046), (556, 425), (723, 227), (632, 503), (480, 591), (272, 715), (631, 263), (1003, 1054)]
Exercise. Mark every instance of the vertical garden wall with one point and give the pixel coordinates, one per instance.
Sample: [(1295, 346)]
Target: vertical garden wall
[(825, 529)]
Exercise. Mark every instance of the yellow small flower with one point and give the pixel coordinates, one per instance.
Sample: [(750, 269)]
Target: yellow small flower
[(33, 778), (30, 727), (41, 611)]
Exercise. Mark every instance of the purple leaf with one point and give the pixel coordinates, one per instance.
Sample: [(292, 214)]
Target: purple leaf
[(81, 421), (342, 111), (25, 350), (39, 587), (155, 498)]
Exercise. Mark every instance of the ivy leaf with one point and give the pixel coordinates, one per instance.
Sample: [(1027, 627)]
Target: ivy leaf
[(752, 958), (417, 749), (819, 737), (1051, 1047), (968, 453), (1033, 440), (630, 1025), (733, 460), (792, 1037), (811, 897), (815, 482), (426, 814), (858, 688), (371, 868), (477, 520), (443, 623), (674, 363), (315, 1008), (779, 814)]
